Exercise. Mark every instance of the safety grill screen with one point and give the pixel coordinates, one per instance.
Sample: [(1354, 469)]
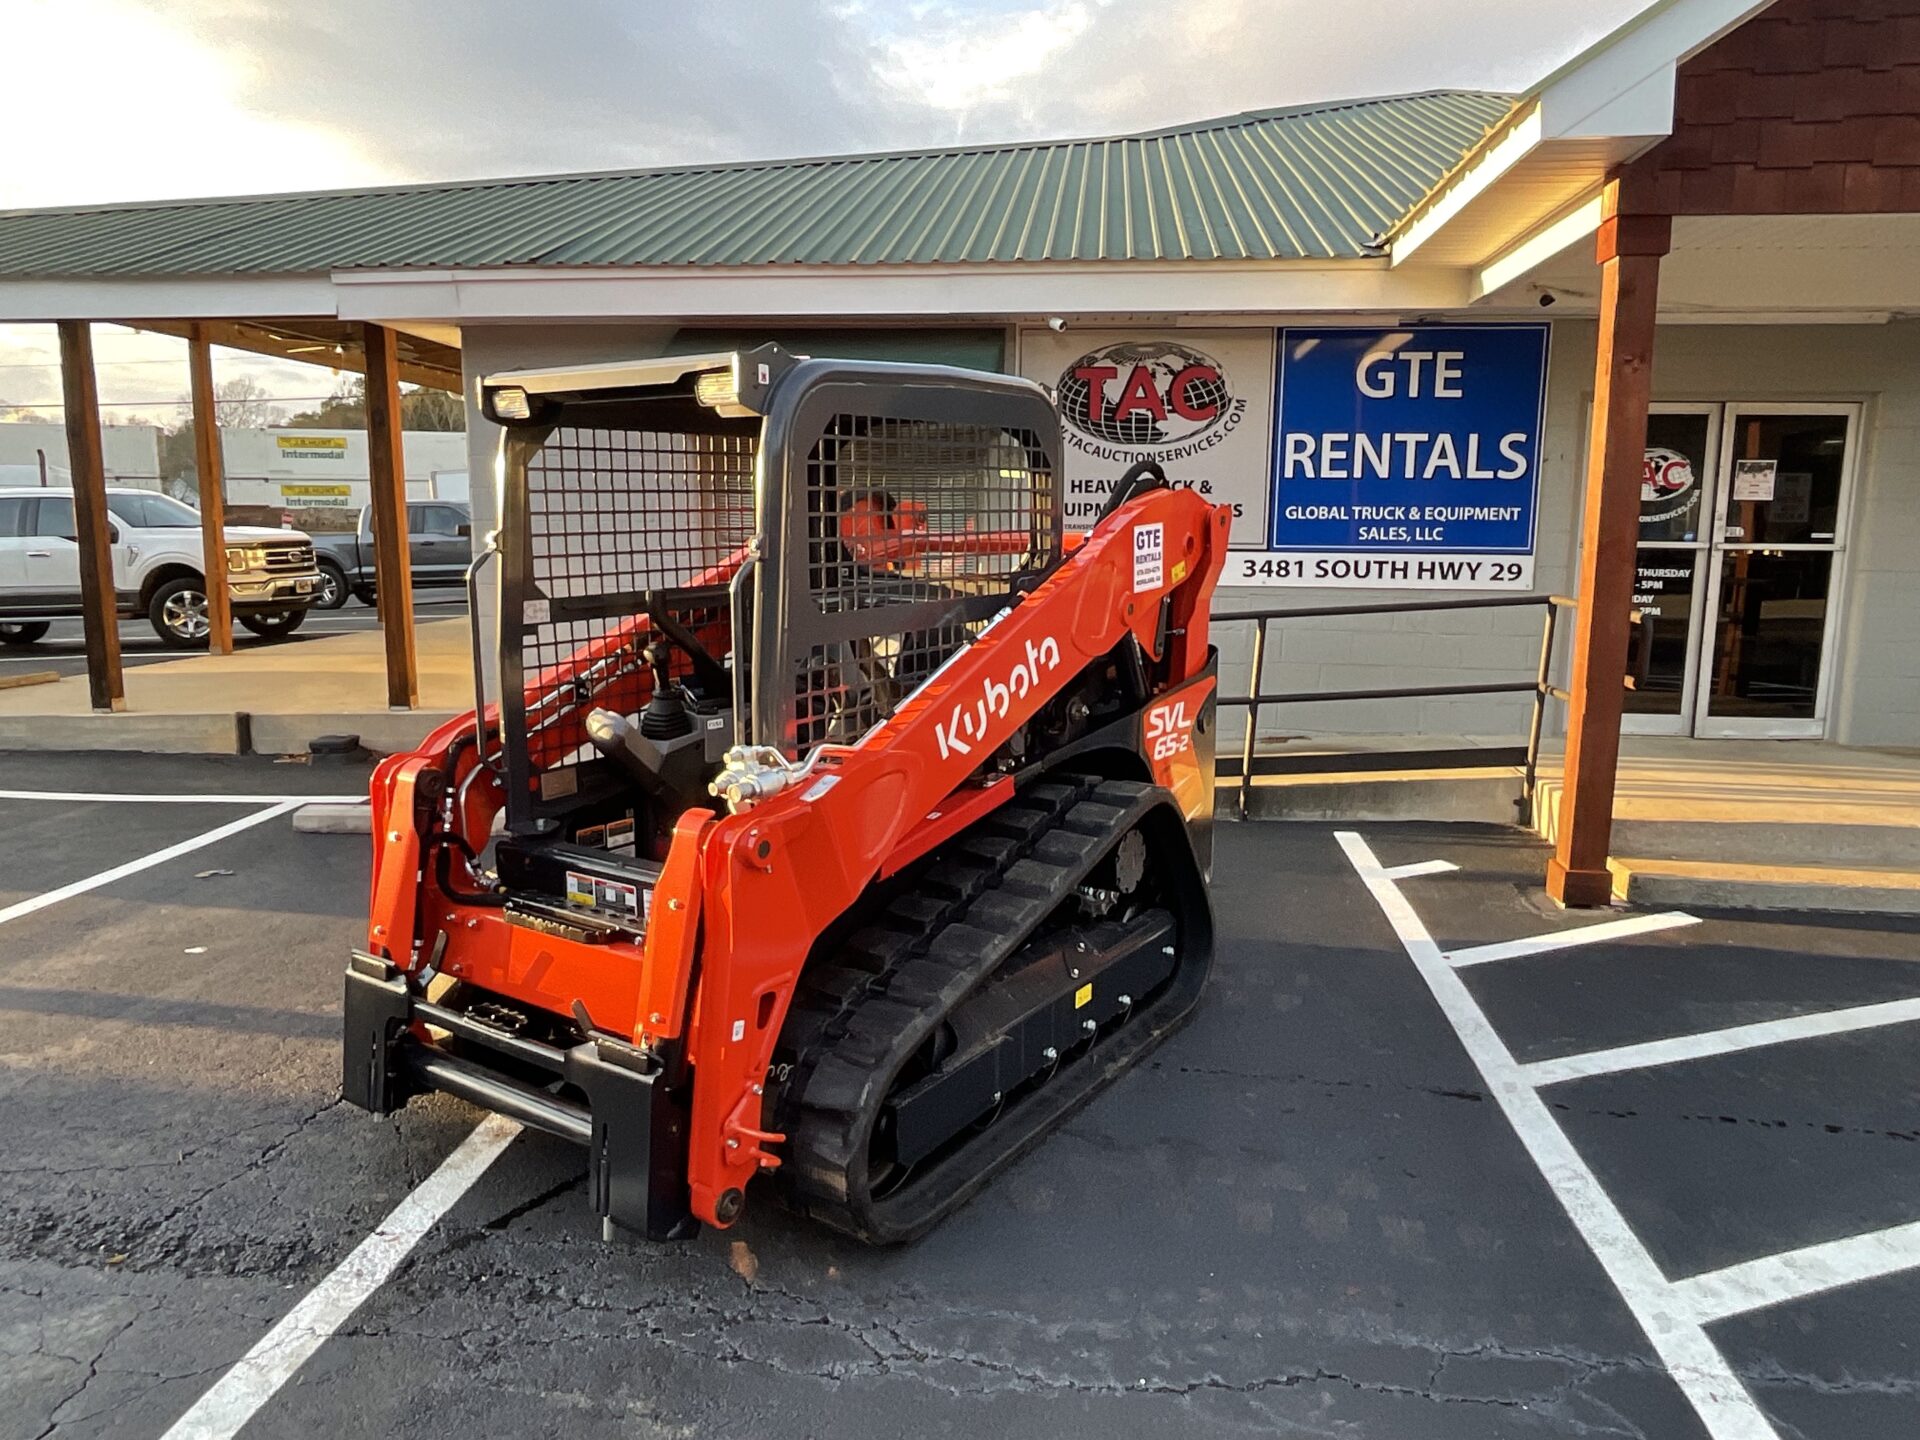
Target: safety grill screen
[(916, 532), (617, 511), (603, 516)]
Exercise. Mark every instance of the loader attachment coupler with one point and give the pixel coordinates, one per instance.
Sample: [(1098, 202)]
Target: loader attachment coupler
[(855, 828)]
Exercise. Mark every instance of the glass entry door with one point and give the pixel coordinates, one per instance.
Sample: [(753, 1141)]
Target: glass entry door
[(1743, 517), (1676, 516), (1773, 587)]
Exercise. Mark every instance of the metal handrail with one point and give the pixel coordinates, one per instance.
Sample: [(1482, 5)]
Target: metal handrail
[(1541, 687)]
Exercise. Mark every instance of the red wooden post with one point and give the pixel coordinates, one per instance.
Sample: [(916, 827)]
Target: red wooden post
[(213, 496), (106, 685), (1629, 250), (387, 472)]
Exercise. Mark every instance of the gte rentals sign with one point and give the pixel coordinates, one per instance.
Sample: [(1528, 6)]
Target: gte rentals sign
[(1406, 457)]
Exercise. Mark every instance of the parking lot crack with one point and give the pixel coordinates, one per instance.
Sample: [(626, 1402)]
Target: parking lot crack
[(54, 1420)]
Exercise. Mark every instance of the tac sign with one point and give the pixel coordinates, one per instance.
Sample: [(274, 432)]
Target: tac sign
[(1406, 457)]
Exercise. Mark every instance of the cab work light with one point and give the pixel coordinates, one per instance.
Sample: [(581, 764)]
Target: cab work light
[(510, 403), (718, 390)]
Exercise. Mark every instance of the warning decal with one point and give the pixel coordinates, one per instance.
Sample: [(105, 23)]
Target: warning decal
[(615, 897), (1149, 544)]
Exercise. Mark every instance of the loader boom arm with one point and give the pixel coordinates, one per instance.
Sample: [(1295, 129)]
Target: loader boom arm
[(779, 873)]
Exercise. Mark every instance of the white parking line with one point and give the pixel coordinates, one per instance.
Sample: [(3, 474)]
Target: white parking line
[(145, 862), (1796, 1274), (1419, 868), (1566, 939), (237, 1395), (1719, 1042), (1725, 1408)]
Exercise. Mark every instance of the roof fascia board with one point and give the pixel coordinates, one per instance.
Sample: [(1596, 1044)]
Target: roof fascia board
[(1520, 138), (914, 293), (1621, 88), (175, 297), (1576, 97), (1535, 248)]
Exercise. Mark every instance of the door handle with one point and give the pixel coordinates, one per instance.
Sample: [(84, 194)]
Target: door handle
[(39, 554)]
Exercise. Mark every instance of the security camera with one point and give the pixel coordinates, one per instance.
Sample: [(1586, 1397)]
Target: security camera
[(1547, 297), (1056, 324)]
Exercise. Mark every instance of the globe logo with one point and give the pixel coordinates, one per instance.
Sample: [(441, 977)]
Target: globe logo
[(1667, 486), (1664, 473), (1145, 394)]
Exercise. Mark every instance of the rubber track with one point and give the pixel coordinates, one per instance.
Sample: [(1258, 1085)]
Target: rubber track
[(855, 1023)]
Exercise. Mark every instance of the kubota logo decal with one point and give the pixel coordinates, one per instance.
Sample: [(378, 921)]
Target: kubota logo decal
[(966, 727), (1169, 730)]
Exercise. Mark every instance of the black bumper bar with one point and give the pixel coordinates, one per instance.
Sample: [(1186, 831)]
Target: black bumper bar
[(609, 1097)]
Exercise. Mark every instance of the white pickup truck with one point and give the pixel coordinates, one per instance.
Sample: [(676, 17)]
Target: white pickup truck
[(155, 541)]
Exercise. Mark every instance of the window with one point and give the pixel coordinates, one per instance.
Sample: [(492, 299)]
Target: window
[(444, 519), (163, 512), (56, 518), (13, 516), (152, 511)]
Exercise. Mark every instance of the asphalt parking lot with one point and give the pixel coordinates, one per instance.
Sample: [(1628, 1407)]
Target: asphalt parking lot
[(64, 650), (1364, 1193)]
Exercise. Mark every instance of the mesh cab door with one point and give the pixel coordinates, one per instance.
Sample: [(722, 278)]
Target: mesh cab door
[(610, 510), (907, 506)]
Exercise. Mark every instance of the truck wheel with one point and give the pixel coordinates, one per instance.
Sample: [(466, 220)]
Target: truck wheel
[(178, 613), (273, 624), (333, 587), (366, 595), (22, 632)]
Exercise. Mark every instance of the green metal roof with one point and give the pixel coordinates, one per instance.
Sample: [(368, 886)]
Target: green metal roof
[(1311, 182)]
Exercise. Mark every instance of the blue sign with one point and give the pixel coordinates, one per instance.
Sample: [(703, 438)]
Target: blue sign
[(1410, 442)]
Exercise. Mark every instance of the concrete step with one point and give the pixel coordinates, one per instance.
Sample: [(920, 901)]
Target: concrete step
[(1779, 841), (1867, 890), (1480, 797)]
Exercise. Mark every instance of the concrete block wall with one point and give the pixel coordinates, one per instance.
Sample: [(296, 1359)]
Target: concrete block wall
[(1448, 647)]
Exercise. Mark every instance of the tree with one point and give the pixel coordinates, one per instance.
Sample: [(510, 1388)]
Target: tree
[(179, 467), (242, 403), (422, 409), (346, 409)]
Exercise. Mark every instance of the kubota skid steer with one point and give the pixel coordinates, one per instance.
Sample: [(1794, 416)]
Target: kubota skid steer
[(856, 820)]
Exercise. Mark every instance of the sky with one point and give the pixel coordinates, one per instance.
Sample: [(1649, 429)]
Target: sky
[(209, 97)]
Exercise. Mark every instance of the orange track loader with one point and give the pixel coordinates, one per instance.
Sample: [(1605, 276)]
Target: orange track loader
[(840, 818)]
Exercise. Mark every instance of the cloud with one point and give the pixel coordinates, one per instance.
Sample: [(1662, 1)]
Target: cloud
[(500, 87), (106, 101), (195, 97)]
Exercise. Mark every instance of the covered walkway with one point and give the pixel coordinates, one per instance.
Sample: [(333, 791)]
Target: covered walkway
[(261, 699)]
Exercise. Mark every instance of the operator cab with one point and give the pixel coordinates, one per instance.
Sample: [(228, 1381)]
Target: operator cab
[(644, 639)]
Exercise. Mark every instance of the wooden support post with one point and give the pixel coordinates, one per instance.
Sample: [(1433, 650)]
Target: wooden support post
[(92, 524), (1629, 250), (208, 466), (387, 472)]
